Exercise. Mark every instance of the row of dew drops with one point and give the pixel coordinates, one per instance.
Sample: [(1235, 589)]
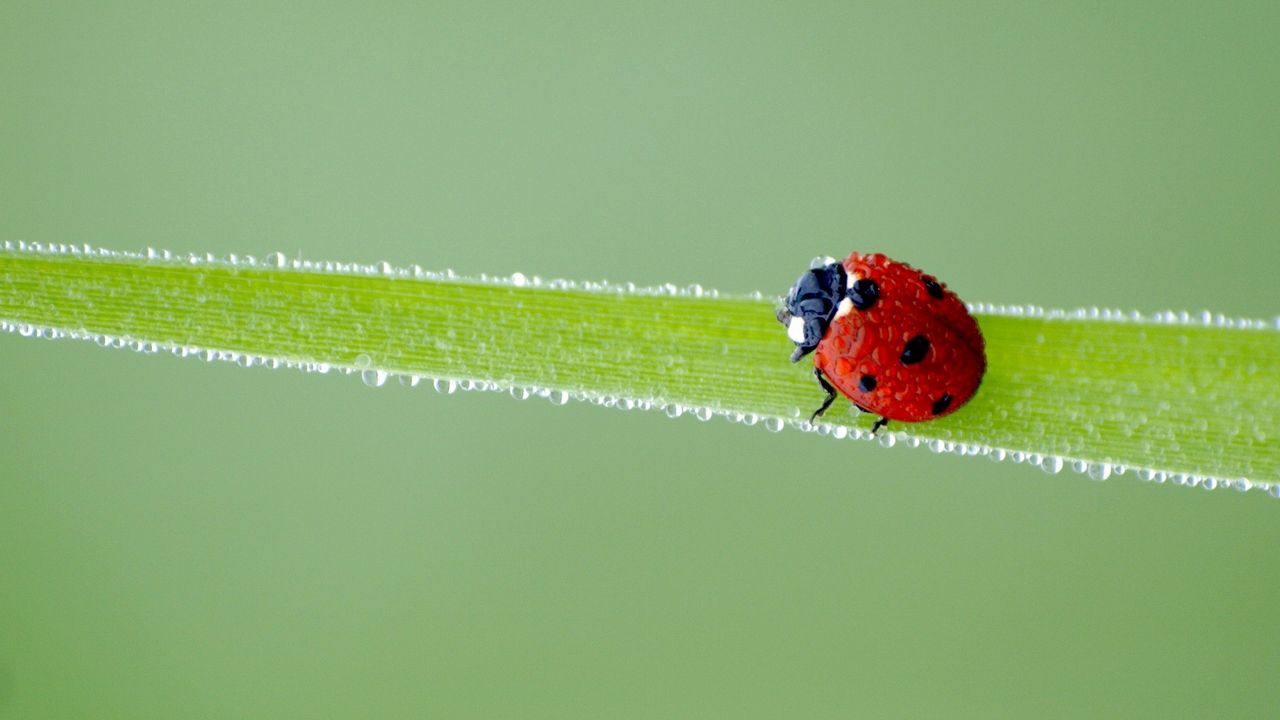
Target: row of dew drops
[(279, 261), (373, 376)]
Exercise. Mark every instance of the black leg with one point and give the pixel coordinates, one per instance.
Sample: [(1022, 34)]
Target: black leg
[(879, 424), (831, 395)]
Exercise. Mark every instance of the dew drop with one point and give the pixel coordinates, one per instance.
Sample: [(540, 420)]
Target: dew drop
[(674, 410), (702, 413), (888, 440), (840, 432), (1100, 471), (519, 279), (446, 387), (773, 424), (1051, 465), (373, 377), (559, 397), (409, 380)]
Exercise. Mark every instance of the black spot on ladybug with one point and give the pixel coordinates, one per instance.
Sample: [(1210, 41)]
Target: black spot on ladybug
[(864, 294), (933, 287), (867, 383), (917, 347), (942, 404)]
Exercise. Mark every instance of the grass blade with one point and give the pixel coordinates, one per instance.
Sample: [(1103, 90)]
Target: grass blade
[(1192, 400)]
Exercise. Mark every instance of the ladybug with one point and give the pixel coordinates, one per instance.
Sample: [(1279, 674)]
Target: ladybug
[(889, 337)]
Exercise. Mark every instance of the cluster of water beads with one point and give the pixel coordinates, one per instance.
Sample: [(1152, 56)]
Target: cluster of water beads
[(279, 261), (1203, 318)]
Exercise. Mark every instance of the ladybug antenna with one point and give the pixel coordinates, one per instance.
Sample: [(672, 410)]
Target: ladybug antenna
[(811, 305)]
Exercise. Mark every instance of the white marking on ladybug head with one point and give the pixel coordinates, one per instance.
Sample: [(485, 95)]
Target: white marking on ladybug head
[(850, 279), (795, 330), (844, 308)]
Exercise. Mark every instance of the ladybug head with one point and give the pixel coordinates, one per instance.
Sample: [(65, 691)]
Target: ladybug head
[(811, 305)]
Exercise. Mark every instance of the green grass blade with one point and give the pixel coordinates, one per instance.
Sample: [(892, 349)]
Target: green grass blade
[(1171, 398)]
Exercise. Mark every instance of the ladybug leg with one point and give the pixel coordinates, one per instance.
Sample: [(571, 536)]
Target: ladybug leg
[(879, 424), (831, 395)]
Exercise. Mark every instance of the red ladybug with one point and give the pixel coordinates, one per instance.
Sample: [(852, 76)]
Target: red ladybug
[(892, 339)]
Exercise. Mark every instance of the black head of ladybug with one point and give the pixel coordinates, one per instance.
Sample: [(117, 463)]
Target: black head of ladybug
[(811, 305)]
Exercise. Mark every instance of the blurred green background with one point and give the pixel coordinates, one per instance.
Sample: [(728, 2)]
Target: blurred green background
[(185, 540)]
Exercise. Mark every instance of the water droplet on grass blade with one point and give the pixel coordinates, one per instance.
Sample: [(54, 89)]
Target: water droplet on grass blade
[(1100, 471), (1052, 465), (373, 377)]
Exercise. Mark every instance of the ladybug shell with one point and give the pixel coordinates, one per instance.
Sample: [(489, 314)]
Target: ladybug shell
[(876, 357)]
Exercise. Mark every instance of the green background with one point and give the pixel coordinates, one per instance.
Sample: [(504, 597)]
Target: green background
[(180, 539)]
